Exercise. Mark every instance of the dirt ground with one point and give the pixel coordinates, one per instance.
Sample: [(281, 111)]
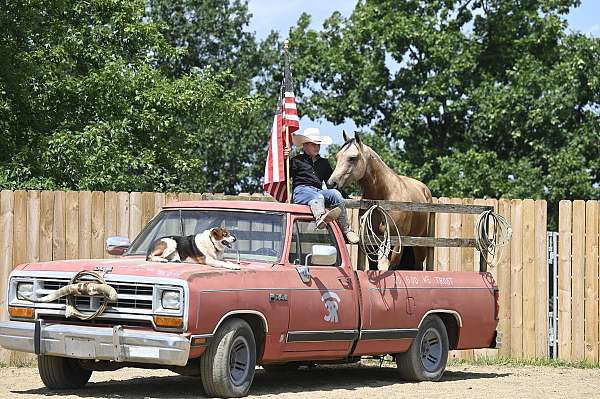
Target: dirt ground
[(363, 381)]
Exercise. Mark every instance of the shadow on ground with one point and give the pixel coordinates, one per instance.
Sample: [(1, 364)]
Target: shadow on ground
[(320, 379)]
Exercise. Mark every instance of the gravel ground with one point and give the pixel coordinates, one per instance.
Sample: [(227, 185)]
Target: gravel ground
[(362, 381)]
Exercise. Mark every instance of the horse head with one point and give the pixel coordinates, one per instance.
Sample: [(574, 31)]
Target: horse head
[(351, 163)]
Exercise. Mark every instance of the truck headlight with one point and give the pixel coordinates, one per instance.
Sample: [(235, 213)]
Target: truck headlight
[(24, 289), (171, 300)]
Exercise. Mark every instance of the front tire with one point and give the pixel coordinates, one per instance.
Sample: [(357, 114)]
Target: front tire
[(428, 354), (227, 366), (62, 372)]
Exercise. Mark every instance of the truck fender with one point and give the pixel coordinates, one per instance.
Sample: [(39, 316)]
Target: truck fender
[(434, 311)]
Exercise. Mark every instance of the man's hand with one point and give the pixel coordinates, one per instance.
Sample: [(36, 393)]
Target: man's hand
[(286, 152)]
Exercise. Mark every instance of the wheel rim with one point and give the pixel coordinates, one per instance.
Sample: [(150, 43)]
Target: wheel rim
[(239, 360), (431, 350)]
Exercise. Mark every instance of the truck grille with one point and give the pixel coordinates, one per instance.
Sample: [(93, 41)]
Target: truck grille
[(132, 297)]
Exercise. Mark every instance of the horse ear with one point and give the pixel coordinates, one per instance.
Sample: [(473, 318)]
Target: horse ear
[(357, 138), (345, 135)]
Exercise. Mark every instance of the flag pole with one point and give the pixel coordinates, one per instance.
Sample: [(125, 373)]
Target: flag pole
[(286, 46)]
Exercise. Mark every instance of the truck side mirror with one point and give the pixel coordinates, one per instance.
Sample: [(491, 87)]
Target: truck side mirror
[(117, 245), (323, 255)]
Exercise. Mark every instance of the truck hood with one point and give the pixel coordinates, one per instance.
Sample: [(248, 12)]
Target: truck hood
[(138, 266)]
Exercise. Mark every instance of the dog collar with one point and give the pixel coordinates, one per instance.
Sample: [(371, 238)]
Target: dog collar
[(213, 243)]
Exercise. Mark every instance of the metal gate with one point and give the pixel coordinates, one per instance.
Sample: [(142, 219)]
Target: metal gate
[(552, 302)]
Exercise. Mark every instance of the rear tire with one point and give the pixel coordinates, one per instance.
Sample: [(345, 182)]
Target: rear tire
[(428, 354), (62, 372), (227, 366)]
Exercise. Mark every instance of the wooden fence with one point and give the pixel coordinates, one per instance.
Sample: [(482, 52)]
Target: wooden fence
[(46, 225), (578, 269)]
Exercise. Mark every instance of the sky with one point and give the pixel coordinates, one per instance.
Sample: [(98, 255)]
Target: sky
[(281, 15)]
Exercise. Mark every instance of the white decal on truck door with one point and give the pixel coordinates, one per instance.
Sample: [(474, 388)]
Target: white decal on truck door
[(331, 300)]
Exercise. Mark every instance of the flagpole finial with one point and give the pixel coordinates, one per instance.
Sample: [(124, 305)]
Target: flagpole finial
[(286, 44)]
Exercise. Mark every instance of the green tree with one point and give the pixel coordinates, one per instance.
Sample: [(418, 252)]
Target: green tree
[(488, 97), (85, 103)]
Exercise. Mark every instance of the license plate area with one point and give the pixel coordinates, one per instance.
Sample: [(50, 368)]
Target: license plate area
[(82, 348)]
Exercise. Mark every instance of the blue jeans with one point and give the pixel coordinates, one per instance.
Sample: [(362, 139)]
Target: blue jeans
[(304, 194)]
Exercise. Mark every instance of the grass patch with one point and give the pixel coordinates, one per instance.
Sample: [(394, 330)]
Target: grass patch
[(511, 362), (20, 363)]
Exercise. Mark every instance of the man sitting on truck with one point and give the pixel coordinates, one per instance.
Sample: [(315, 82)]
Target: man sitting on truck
[(309, 173)]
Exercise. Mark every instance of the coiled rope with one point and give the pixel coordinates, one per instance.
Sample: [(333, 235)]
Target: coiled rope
[(490, 244), (374, 247), (76, 288), (500, 232)]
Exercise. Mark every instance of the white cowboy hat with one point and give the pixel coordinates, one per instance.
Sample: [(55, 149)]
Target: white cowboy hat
[(311, 135)]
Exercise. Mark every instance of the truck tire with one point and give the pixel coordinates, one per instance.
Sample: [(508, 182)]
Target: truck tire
[(428, 354), (62, 372), (227, 366)]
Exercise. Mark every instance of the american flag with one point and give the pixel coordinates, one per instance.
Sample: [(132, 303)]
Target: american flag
[(287, 116)]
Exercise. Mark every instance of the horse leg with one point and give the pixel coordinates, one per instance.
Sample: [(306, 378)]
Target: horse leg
[(396, 258), (420, 256)]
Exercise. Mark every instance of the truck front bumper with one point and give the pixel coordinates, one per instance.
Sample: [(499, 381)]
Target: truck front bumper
[(100, 343)]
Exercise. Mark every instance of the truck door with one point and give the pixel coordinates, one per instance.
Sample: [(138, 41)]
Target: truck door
[(387, 318), (324, 310)]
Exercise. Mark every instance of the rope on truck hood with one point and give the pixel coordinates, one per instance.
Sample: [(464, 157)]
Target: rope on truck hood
[(76, 288)]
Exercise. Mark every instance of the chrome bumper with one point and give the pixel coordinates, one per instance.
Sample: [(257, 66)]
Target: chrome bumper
[(101, 343)]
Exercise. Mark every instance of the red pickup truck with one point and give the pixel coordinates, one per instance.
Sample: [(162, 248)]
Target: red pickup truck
[(297, 300)]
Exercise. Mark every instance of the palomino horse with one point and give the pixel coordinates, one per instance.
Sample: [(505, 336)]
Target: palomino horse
[(357, 162)]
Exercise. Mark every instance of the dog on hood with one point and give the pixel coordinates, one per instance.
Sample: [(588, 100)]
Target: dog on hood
[(205, 248)]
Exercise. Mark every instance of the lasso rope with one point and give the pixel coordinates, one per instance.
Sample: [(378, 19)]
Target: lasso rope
[(377, 248), (75, 288), (500, 231)]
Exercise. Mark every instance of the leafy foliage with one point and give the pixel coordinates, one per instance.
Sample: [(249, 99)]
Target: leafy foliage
[(475, 97), (87, 101)]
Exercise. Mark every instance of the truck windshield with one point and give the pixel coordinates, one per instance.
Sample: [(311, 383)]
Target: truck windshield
[(259, 235)]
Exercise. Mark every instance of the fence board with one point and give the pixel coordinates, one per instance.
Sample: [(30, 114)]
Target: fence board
[(442, 225), (541, 279), (467, 231), (529, 282), (20, 228), (564, 279), (591, 281), (6, 255), (46, 224), (516, 281), (97, 236), (58, 227), (504, 269), (455, 232), (85, 225), (33, 226), (135, 214), (123, 214), (72, 224), (577, 281), (19, 252), (159, 202), (147, 207)]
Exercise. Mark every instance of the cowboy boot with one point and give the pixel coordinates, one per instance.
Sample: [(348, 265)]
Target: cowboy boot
[(351, 236), (317, 206)]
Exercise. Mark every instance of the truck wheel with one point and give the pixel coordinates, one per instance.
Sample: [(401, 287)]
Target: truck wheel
[(227, 366), (428, 354), (62, 372)]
